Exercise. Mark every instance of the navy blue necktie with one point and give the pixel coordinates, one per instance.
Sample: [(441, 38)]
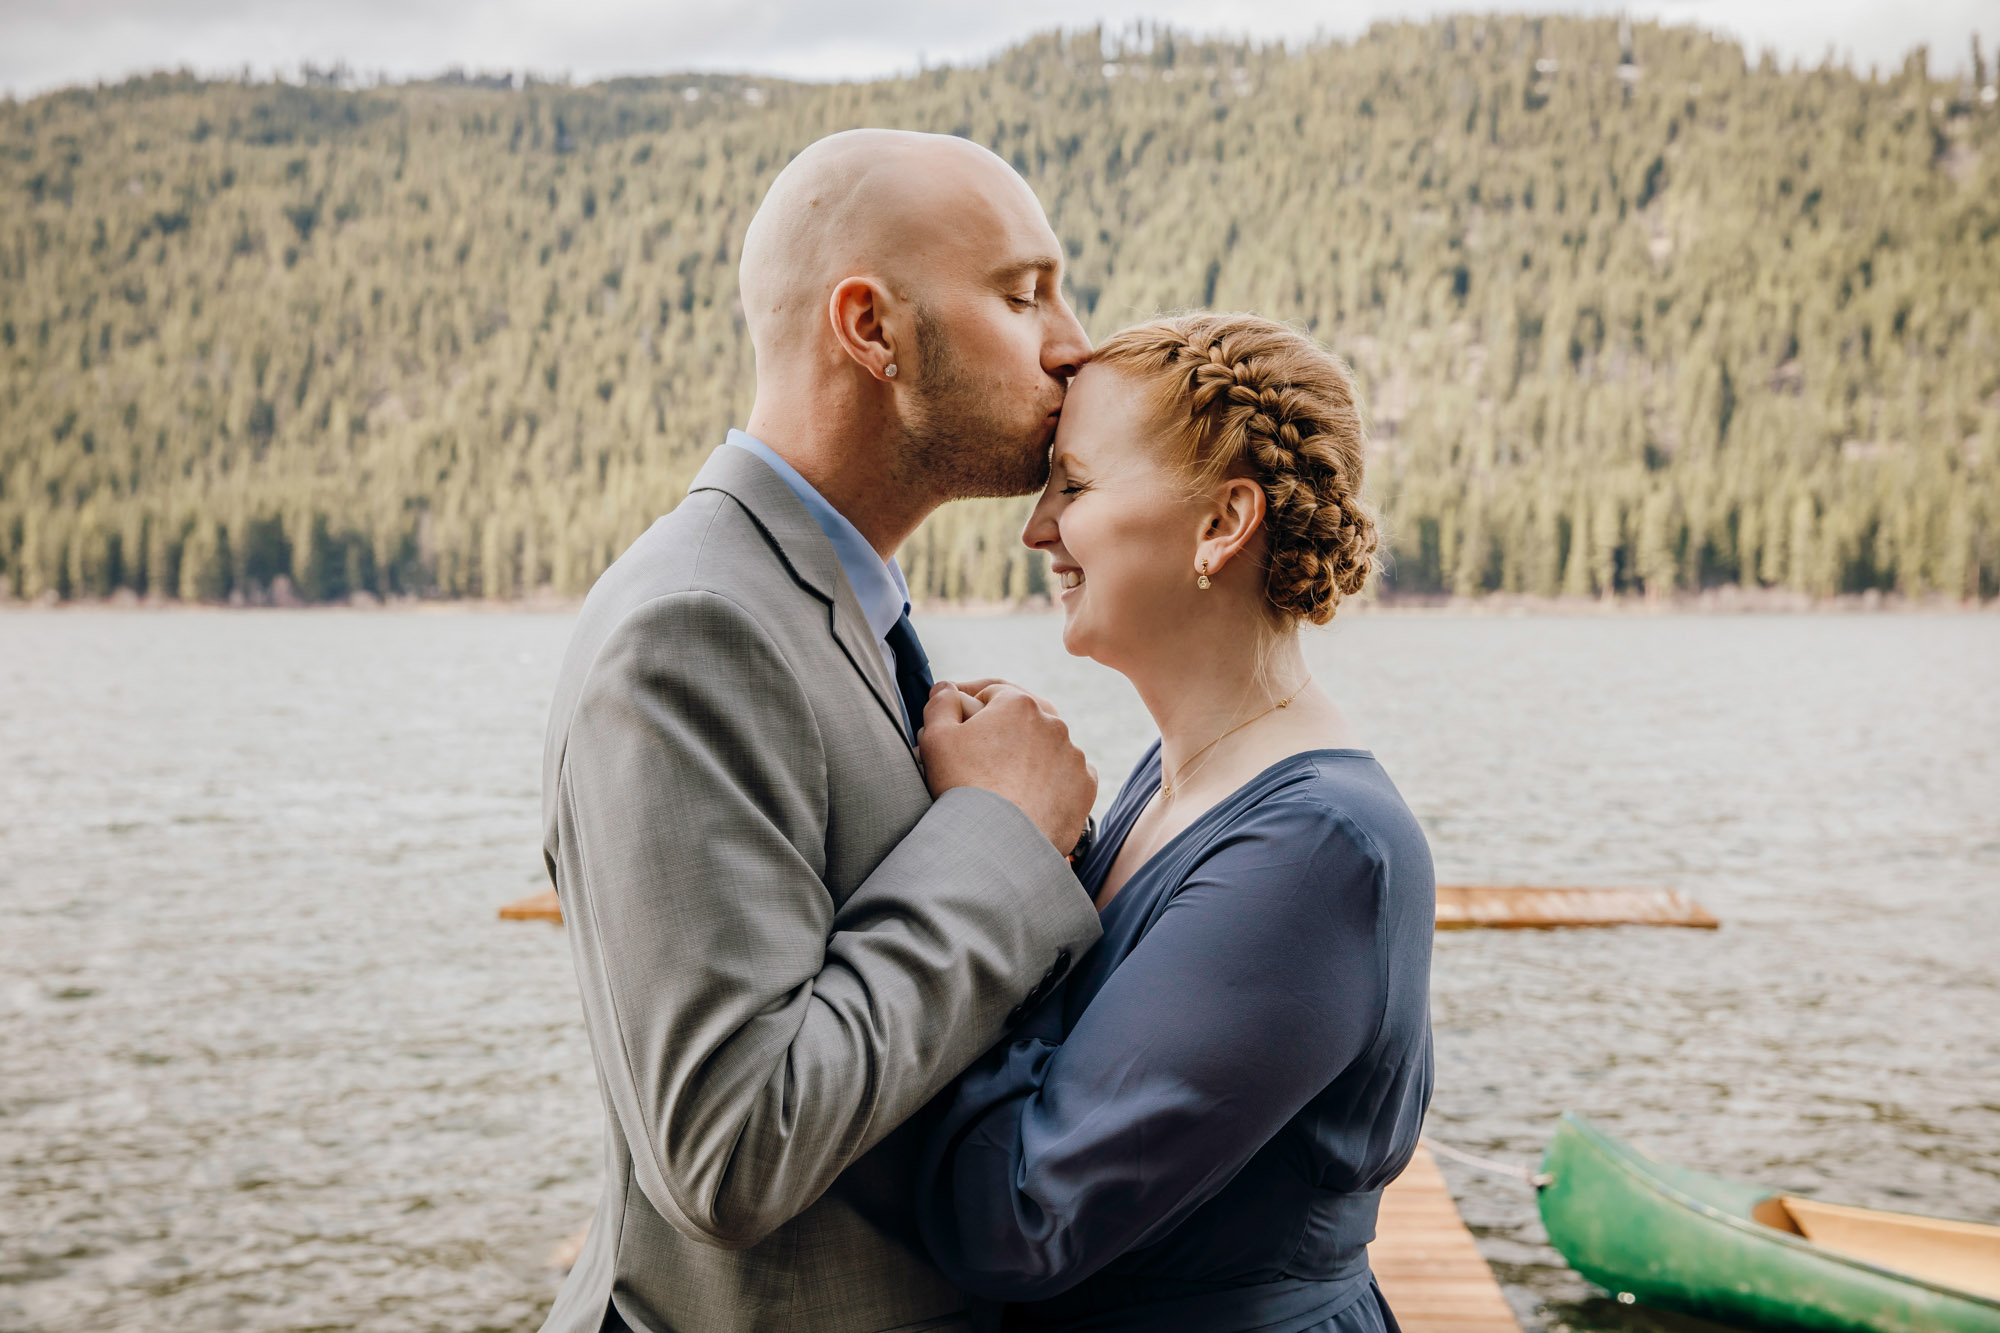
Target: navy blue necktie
[(913, 671)]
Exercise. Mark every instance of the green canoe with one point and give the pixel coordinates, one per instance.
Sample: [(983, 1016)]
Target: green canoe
[(1740, 1254)]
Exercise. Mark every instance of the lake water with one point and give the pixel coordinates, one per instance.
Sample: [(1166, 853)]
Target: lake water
[(270, 1062)]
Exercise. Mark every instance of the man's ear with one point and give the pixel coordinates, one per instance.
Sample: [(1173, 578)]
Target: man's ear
[(1234, 517), (858, 310)]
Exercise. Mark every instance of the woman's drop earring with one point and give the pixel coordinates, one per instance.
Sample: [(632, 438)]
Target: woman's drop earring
[(1202, 581), (890, 371)]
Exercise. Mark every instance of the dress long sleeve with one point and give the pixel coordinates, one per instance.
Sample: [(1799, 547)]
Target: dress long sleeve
[(1263, 977)]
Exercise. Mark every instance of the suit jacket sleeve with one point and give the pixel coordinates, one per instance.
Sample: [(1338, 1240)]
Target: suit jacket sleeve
[(754, 1041)]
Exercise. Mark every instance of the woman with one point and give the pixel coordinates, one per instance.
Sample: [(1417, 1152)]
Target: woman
[(1192, 1132)]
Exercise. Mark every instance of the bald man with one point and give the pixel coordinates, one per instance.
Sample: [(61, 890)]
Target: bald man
[(804, 887)]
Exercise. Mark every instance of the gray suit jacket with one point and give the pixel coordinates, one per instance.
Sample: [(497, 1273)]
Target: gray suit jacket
[(785, 948)]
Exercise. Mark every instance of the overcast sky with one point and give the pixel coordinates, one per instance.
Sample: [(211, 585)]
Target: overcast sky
[(51, 43)]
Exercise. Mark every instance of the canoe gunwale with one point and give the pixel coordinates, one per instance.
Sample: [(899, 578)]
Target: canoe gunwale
[(1632, 1164)]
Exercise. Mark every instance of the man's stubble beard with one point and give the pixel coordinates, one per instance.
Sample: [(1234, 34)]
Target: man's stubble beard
[(956, 444)]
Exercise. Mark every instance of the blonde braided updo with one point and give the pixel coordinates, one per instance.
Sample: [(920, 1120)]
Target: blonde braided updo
[(1239, 395)]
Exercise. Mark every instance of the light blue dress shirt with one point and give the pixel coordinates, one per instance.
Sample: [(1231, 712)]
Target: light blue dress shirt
[(878, 584)]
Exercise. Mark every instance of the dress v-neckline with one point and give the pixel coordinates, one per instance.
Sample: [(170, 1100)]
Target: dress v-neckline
[(1150, 771)]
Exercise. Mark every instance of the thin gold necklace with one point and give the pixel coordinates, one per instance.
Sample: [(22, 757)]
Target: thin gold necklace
[(1167, 787)]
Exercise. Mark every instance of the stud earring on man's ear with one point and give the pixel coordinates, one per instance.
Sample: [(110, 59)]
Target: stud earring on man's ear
[(890, 371)]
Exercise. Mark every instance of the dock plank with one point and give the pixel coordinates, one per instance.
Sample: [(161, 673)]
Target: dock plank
[(538, 907), (1430, 1271)]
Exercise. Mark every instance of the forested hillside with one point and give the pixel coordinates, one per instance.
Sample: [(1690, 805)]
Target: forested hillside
[(1630, 313)]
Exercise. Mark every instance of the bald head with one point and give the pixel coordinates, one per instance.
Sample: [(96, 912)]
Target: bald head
[(890, 205), (904, 296)]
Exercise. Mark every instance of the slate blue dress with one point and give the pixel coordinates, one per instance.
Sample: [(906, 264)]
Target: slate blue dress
[(1192, 1132)]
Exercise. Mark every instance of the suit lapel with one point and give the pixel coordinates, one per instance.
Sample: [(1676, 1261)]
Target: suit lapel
[(850, 628), (806, 551)]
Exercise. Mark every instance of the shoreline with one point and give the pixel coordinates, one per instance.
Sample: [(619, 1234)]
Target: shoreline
[(1709, 601)]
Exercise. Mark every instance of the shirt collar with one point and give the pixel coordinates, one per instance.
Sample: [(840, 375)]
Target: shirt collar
[(878, 584)]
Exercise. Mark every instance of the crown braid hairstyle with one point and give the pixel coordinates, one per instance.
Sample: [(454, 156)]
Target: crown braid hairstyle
[(1240, 395)]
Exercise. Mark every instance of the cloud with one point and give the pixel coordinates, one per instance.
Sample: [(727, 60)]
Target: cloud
[(85, 41)]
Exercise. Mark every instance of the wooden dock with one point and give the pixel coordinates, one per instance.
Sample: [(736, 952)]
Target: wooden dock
[(1484, 907), (1459, 907), (1427, 1264)]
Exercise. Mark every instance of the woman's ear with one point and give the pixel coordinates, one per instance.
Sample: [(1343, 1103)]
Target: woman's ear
[(859, 310), (1231, 520)]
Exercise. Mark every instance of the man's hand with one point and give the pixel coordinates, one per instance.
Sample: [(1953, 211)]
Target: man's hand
[(998, 736)]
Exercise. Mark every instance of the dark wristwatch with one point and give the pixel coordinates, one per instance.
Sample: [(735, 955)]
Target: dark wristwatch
[(1085, 843)]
